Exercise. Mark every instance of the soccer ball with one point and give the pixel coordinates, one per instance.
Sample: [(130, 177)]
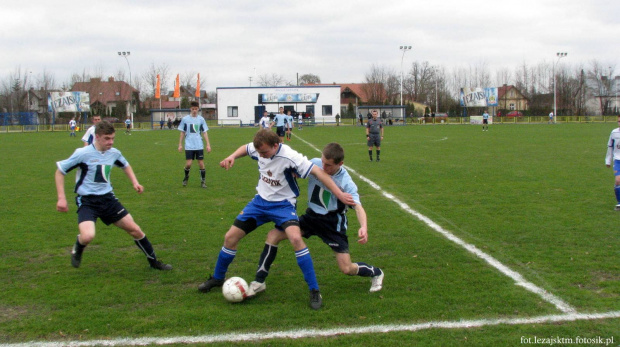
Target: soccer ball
[(235, 289)]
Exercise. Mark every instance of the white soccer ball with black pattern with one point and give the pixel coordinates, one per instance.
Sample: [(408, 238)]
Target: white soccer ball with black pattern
[(235, 289)]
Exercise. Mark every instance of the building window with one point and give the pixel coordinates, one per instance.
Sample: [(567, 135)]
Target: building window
[(233, 111), (512, 107), (327, 110)]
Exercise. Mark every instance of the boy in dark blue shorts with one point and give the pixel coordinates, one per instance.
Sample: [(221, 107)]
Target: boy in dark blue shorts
[(95, 198)]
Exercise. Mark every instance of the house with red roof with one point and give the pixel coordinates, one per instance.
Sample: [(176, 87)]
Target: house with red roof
[(109, 98)]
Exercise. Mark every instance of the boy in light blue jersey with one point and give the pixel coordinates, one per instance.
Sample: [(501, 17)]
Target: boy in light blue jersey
[(326, 218), (280, 122), (128, 125), (485, 121), (192, 127), (289, 125), (95, 198), (613, 155), (277, 189)]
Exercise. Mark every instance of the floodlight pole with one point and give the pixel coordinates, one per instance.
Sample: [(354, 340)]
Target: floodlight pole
[(125, 55), (404, 49), (560, 55)]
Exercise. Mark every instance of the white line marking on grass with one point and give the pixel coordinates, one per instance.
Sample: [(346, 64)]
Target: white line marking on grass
[(519, 280), (313, 333)]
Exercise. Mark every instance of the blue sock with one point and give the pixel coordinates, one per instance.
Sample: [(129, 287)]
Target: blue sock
[(304, 260), (617, 191), (224, 259), (366, 270)]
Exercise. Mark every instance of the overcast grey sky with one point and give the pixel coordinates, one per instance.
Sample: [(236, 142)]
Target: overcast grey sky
[(227, 41)]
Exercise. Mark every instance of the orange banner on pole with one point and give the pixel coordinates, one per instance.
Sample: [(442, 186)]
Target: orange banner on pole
[(177, 88), (158, 88), (198, 87)]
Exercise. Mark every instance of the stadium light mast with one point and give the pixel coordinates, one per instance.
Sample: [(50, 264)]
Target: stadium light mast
[(560, 55), (404, 49), (125, 55)]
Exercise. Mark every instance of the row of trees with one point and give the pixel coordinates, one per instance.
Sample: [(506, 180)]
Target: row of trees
[(434, 85)]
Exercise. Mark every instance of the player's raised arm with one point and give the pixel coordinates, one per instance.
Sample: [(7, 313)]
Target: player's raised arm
[(346, 198), (132, 177), (61, 204), (229, 161)]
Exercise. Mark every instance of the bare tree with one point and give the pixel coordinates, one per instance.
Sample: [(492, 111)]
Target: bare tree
[(376, 80), (600, 83), (273, 80)]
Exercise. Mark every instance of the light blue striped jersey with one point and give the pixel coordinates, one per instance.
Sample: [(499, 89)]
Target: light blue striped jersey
[(321, 200), (193, 127), (279, 119), (93, 169)]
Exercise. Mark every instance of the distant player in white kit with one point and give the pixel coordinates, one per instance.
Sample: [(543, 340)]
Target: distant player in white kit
[(613, 154)]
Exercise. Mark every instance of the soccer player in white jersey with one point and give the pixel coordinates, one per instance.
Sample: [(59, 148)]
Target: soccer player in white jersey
[(192, 127), (277, 188), (89, 137), (265, 122), (95, 198), (613, 154), (326, 218), (72, 125)]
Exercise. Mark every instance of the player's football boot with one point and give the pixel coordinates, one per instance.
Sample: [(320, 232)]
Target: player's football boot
[(156, 264), (316, 300), (617, 208), (209, 284), (184, 182), (377, 282), (203, 184), (255, 288), (76, 259)]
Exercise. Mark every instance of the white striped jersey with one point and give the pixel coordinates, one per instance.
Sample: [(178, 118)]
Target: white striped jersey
[(277, 180), (321, 200), (89, 137), (93, 169), (613, 147)]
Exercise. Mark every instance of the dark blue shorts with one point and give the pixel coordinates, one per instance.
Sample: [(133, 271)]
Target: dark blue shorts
[(198, 154), (107, 207), (331, 228), (280, 131)]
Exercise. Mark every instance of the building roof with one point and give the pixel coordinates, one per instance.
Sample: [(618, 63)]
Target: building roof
[(105, 91), (359, 89)]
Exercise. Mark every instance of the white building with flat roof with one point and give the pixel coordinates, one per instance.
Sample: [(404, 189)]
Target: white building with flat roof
[(245, 105)]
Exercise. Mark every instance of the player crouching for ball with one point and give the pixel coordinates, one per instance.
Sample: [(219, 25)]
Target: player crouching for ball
[(95, 198), (277, 189), (325, 217)]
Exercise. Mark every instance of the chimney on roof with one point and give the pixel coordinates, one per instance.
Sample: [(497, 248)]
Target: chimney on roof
[(95, 79), (110, 79)]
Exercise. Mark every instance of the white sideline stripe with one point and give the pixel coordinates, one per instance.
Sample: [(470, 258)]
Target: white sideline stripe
[(313, 333), (519, 280)]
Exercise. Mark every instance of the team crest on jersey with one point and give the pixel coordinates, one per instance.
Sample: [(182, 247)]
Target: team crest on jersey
[(269, 173), (195, 128), (102, 173)]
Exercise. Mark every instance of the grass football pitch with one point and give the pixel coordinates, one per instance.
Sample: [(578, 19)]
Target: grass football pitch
[(491, 238)]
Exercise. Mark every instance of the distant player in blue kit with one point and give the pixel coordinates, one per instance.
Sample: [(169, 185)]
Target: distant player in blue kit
[(613, 153), (289, 125), (326, 218), (95, 198), (280, 121), (485, 121), (192, 127), (128, 126), (277, 188)]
